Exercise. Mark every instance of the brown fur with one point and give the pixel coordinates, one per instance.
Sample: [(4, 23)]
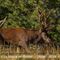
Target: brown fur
[(19, 36)]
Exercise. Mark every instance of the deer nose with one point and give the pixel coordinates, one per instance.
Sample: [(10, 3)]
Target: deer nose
[(48, 40)]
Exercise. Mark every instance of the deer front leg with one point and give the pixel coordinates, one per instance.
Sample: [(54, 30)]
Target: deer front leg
[(45, 37), (24, 46), (37, 40)]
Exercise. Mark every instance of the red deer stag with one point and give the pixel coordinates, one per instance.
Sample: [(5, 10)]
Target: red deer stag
[(20, 36)]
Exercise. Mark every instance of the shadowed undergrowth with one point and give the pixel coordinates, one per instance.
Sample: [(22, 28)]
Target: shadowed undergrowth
[(11, 50), (34, 49)]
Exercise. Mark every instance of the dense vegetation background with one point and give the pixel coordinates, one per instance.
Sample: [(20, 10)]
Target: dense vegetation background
[(25, 13)]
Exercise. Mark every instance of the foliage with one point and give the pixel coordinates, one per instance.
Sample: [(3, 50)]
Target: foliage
[(24, 13)]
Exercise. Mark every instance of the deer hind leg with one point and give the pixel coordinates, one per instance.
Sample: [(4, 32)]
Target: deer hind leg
[(24, 46)]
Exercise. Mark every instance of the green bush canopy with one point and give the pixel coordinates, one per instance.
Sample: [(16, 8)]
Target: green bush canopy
[(25, 13)]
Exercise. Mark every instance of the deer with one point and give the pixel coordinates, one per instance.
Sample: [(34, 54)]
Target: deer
[(21, 36)]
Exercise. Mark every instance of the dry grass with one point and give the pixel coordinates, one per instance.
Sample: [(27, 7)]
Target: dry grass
[(6, 50)]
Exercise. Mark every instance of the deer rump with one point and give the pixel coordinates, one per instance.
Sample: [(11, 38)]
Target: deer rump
[(18, 36)]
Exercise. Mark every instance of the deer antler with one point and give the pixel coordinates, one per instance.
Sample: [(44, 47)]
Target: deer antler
[(43, 19), (2, 21)]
